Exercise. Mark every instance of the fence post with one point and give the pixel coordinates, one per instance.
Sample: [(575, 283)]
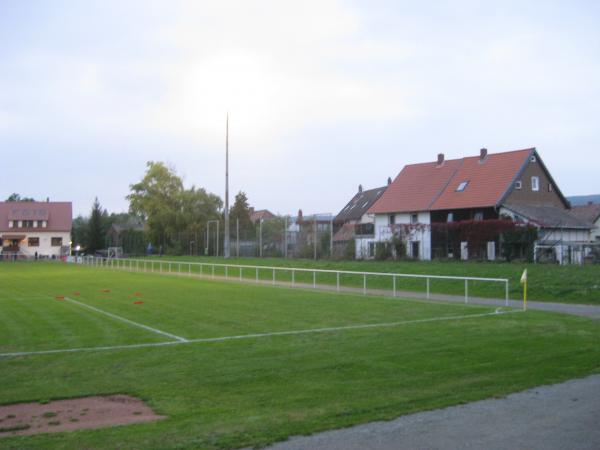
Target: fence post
[(226, 272), (240, 274), (365, 284), (273, 276), (293, 278), (213, 270), (428, 290), (394, 284), (466, 291), (257, 274), (314, 279), (338, 281), (506, 292)]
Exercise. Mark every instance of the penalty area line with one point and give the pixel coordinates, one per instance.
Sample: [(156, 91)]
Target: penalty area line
[(131, 322), (497, 312)]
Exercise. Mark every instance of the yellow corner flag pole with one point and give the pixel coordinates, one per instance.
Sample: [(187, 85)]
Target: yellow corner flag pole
[(524, 283)]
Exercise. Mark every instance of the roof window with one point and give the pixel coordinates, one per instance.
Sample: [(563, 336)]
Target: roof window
[(461, 187)]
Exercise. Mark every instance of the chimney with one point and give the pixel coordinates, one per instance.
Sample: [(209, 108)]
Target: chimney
[(389, 180), (482, 154), (590, 203), (299, 214), (360, 188), (47, 199), (440, 159)]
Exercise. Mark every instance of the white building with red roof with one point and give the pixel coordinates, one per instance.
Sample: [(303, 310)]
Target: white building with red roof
[(487, 187), (28, 229)]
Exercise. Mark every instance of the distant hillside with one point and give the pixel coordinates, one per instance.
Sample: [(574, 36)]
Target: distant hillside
[(584, 199)]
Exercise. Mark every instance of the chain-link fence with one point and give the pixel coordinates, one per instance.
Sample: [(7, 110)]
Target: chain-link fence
[(309, 237)]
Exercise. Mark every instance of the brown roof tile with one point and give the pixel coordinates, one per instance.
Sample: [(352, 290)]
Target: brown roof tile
[(58, 214), (589, 213)]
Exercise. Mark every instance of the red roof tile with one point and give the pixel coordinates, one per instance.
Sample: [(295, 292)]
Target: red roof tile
[(416, 187), (427, 186), (488, 180), (58, 214)]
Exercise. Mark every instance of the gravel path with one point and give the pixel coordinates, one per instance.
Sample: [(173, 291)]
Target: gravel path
[(561, 416)]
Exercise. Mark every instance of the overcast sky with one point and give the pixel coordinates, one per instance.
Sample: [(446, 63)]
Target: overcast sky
[(322, 95)]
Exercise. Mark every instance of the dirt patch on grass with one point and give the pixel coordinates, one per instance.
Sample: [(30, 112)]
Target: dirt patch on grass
[(73, 414)]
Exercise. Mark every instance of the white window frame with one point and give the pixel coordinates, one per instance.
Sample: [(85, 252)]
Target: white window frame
[(518, 184), (414, 218), (462, 186), (535, 184)]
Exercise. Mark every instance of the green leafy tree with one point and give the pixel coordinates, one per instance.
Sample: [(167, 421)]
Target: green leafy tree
[(156, 199), (241, 211), (79, 231), (170, 210), (14, 197), (95, 230)]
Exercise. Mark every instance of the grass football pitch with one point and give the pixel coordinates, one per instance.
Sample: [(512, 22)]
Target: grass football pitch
[(234, 365)]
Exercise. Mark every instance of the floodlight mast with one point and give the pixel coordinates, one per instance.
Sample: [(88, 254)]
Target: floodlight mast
[(226, 253)]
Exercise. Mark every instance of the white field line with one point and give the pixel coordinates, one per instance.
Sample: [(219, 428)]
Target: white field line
[(259, 335), (131, 322)]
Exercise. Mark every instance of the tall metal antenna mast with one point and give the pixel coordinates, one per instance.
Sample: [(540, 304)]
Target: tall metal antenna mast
[(226, 253)]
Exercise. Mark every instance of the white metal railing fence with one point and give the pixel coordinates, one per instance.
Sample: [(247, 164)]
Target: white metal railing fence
[(311, 276)]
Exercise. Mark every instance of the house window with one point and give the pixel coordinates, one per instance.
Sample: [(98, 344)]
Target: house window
[(535, 183), (33, 242), (10, 224), (392, 219), (518, 184), (461, 187), (478, 215), (371, 249), (56, 241), (44, 224), (450, 217), (533, 158), (414, 218), (550, 188)]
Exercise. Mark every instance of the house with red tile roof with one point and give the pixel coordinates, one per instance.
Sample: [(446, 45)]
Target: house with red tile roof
[(488, 187), (261, 214), (28, 229)]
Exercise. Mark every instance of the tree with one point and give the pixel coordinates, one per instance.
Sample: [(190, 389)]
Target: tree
[(14, 197), (79, 231), (168, 208), (157, 199), (95, 230), (241, 211)]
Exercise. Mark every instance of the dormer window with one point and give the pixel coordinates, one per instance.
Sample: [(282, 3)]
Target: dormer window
[(461, 187), (533, 158), (450, 217), (535, 183), (518, 184)]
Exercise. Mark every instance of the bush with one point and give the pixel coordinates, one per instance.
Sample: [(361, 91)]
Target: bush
[(399, 247), (383, 251)]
